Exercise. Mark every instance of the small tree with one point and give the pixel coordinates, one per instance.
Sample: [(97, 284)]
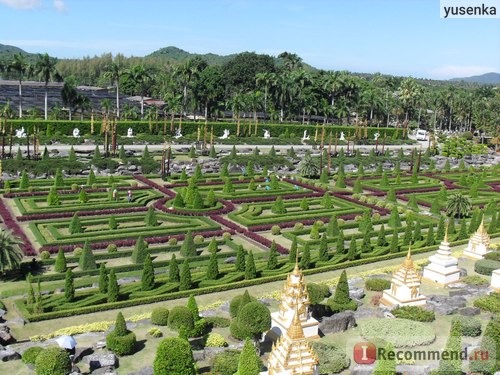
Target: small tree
[(150, 220), (173, 270), (140, 250), (112, 224), (188, 248), (274, 184), (148, 274), (341, 300), (103, 279), (323, 178), (417, 232), (58, 178), (304, 204), (440, 229), (211, 200), (381, 239), (394, 219), (429, 240), (185, 282), (87, 259), (407, 238), (213, 267), (394, 246), (25, 180), (69, 288), (91, 180), (240, 259), (193, 307), (357, 187), (305, 259), (249, 361), (278, 207), (463, 233), (340, 246), (412, 202), (272, 262), (292, 253), (75, 225), (60, 264), (174, 356), (323, 248), (53, 198), (326, 201), (250, 269), (113, 287), (253, 319), (314, 235), (83, 196), (121, 341), (228, 186), (212, 154), (352, 254)]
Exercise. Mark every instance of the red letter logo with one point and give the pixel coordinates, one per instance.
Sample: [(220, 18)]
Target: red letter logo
[(365, 353)]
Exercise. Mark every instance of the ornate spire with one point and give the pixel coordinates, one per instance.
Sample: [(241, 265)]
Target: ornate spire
[(408, 262), (481, 229), (295, 331), (296, 270)]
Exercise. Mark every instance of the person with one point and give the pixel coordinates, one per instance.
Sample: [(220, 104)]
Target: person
[(115, 193), (129, 195)]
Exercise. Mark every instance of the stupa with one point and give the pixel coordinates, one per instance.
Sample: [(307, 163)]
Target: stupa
[(294, 296), (495, 280), (292, 354), (479, 243), (405, 286), (443, 268)]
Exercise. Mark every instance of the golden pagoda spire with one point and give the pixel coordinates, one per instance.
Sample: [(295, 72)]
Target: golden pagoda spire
[(481, 229), (295, 331), (296, 270), (408, 262)]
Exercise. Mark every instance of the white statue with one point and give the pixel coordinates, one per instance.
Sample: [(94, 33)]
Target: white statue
[(20, 133), (130, 133), (76, 132), (342, 136), (267, 134), (225, 135), (305, 137), (178, 133), (376, 136)]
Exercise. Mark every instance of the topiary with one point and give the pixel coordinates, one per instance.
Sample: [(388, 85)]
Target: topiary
[(174, 356), (225, 363), (215, 340), (159, 316), (377, 284), (469, 325), (112, 248), (332, 359), (486, 266), (238, 301), (180, 316), (317, 292), (341, 300), (416, 313), (249, 362), (60, 264), (30, 354), (253, 319), (52, 361), (121, 341), (44, 255), (155, 332)]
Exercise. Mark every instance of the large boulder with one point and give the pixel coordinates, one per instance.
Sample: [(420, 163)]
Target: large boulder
[(337, 322), (446, 305), (96, 361), (5, 336), (105, 371), (9, 355)]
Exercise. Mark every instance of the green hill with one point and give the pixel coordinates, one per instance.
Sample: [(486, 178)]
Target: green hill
[(6, 52), (175, 54)]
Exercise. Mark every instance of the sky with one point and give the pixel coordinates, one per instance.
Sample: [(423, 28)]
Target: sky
[(398, 37)]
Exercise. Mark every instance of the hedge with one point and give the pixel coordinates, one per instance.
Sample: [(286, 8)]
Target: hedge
[(486, 266)]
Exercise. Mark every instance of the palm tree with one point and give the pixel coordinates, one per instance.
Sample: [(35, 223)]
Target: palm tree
[(114, 72), (237, 104), (45, 68), (264, 80), (291, 60), (458, 205), (83, 103), (308, 167), (10, 252), (140, 76), (69, 95), (21, 67), (186, 73)]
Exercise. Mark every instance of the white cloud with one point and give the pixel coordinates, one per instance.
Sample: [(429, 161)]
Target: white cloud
[(22, 4), (59, 5), (457, 71)]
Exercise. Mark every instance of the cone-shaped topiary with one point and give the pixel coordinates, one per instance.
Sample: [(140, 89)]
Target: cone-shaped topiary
[(173, 270), (60, 264), (213, 267), (75, 225), (387, 364), (69, 288), (272, 261), (241, 254), (292, 253), (58, 178), (340, 246), (103, 278), (87, 259), (323, 248), (305, 258), (188, 248), (140, 251), (248, 362), (113, 287), (150, 220), (174, 356), (148, 274), (341, 300), (250, 269), (185, 282), (121, 341), (53, 198)]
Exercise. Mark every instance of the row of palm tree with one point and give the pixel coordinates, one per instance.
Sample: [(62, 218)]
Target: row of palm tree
[(289, 92)]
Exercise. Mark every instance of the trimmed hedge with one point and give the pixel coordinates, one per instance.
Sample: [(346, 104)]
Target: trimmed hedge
[(416, 313), (470, 326), (377, 284), (159, 316), (121, 345), (486, 266)]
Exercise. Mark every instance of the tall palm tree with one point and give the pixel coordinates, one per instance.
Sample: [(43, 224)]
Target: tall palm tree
[(45, 68), (140, 76), (264, 80), (308, 167), (21, 67), (114, 72), (237, 104), (186, 73), (11, 254), (458, 206)]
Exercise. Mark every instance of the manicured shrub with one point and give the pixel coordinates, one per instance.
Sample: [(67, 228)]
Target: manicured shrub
[(75, 226), (215, 340), (140, 251), (305, 258), (377, 284), (159, 316), (272, 262), (317, 292), (292, 252), (53, 198), (386, 365), (250, 269), (198, 239), (173, 270), (238, 302), (155, 332), (180, 316), (484, 362), (253, 319), (30, 354), (148, 274), (469, 325), (121, 341), (103, 278), (341, 300), (278, 207), (213, 267), (332, 359), (52, 361), (452, 365), (486, 266), (225, 363), (77, 251), (44, 255), (172, 241), (475, 280), (60, 264), (112, 248), (188, 248), (113, 287), (489, 303), (416, 313), (69, 288), (174, 356), (275, 230), (87, 259), (217, 322), (494, 255), (249, 362), (83, 196), (185, 281), (397, 331)]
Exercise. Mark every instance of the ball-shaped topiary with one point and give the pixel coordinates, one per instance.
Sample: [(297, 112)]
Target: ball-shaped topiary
[(52, 361), (215, 340), (30, 354), (174, 356), (253, 319), (44, 255), (181, 316), (159, 316), (112, 248)]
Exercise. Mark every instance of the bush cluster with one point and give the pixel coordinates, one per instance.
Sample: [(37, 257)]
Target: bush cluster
[(121, 341), (30, 354), (215, 340), (181, 316), (155, 332), (52, 361), (377, 284), (159, 316), (226, 363), (489, 303), (486, 266), (401, 332), (416, 313), (470, 326), (332, 359)]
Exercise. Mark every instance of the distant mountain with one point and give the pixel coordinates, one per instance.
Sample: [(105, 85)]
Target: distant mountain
[(178, 55), (485, 79), (6, 51)]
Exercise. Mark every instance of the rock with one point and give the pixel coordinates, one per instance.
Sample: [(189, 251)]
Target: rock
[(96, 361), (413, 369), (198, 355), (9, 355), (100, 345), (128, 280), (2, 313), (145, 371), (5, 336), (132, 168), (210, 353), (458, 292), (469, 311), (104, 371), (446, 305), (337, 322), (368, 312), (463, 272), (356, 293), (230, 260)]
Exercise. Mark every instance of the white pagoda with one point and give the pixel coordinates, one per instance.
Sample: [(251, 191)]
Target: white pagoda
[(495, 280), (292, 354), (479, 243), (294, 296), (443, 268), (405, 286)]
